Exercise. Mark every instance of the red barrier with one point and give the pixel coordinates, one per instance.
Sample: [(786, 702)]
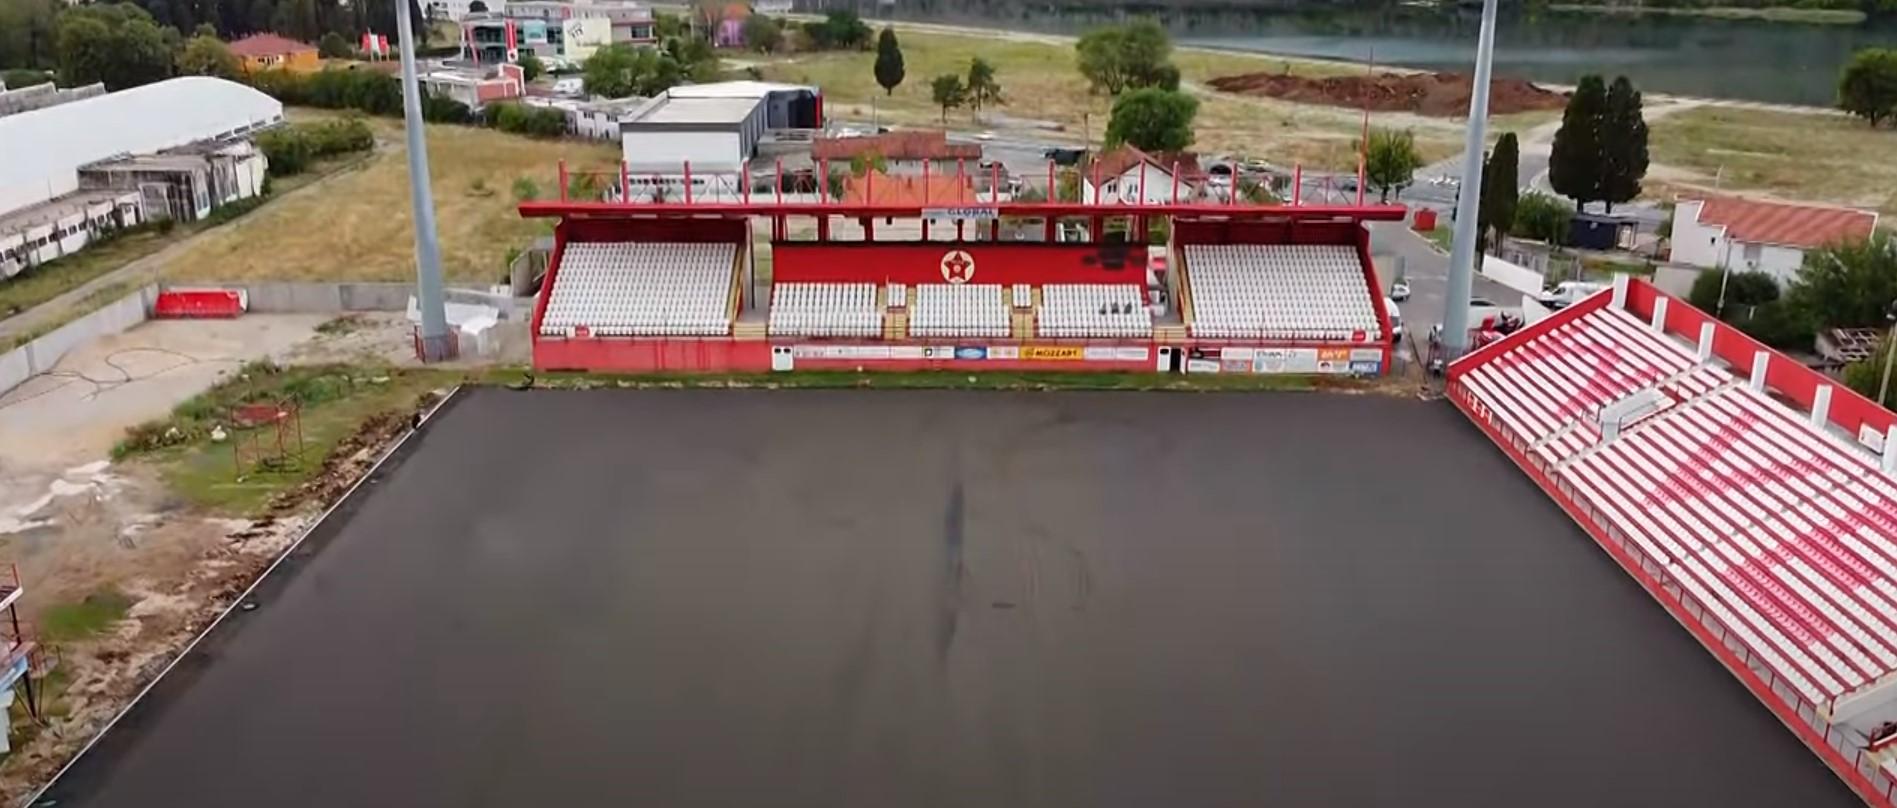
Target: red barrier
[(199, 304), (957, 262)]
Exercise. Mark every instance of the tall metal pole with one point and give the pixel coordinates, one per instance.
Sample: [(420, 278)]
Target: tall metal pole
[(1462, 255), (436, 344)]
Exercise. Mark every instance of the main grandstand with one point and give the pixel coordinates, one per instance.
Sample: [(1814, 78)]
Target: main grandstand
[(921, 275)]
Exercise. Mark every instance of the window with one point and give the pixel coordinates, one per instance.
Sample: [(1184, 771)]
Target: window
[(1752, 254)]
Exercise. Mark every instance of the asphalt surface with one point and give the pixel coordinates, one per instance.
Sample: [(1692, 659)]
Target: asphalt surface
[(852, 598)]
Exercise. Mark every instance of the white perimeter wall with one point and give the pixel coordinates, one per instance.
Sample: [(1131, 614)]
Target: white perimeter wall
[(711, 152)]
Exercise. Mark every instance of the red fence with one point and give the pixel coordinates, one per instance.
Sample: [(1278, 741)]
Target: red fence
[(957, 262), (199, 304)]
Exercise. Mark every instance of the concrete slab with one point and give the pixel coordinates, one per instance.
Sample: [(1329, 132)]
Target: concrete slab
[(924, 598)]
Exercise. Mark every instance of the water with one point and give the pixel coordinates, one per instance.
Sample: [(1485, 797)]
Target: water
[(1741, 59)]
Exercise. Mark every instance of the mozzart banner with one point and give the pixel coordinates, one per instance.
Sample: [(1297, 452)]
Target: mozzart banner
[(1029, 353)]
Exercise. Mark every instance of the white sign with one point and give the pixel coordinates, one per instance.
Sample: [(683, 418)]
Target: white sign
[(840, 351), (1201, 366), (1099, 353), (1132, 354), (1004, 352), (975, 214)]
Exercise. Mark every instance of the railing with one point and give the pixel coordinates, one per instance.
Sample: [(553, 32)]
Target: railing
[(1837, 747)]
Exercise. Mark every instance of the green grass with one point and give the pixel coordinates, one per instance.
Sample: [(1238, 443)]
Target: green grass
[(1443, 236), (335, 400), (1820, 158), (69, 622), (59, 276)]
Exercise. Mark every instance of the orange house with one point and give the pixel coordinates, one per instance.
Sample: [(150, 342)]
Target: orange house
[(272, 52)]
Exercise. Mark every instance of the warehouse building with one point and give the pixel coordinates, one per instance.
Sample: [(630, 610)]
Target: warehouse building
[(186, 137)]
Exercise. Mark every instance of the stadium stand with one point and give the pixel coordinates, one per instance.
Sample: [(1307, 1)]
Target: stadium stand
[(622, 289), (1774, 528), (1093, 310), (1279, 291), (825, 310), (959, 310)]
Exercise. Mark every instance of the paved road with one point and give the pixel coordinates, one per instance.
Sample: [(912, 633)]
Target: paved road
[(793, 598)]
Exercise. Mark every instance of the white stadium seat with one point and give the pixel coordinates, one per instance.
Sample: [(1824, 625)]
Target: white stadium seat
[(1279, 291), (959, 310), (628, 289), (1093, 310), (1783, 534), (825, 310)]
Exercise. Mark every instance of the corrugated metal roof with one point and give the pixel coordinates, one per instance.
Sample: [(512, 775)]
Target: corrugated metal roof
[(733, 89), (44, 148)]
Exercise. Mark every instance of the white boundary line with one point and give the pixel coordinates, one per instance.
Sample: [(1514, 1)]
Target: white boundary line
[(239, 600)]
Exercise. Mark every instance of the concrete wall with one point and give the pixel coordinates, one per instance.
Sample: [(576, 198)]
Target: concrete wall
[(42, 354), (320, 298)]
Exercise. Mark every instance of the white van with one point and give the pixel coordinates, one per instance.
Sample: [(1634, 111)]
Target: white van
[(1568, 292)]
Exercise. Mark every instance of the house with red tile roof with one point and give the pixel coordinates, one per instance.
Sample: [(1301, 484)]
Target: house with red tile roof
[(906, 190), (1742, 234), (1127, 175), (903, 151), (272, 52)]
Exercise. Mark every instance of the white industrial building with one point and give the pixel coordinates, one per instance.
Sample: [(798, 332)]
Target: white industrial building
[(47, 210), (1724, 232), (715, 127)]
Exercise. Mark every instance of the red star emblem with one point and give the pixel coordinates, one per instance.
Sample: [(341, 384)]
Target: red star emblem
[(957, 267)]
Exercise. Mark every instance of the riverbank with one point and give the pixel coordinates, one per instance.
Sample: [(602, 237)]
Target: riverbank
[(1807, 16)]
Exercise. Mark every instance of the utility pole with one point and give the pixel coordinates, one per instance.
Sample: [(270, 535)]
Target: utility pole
[(1462, 251), (435, 343)]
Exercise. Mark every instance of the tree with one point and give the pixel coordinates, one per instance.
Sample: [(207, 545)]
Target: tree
[(1866, 376), (1867, 87), (1542, 217), (1847, 285), (1127, 57), (27, 33), (117, 44), (839, 30), (1623, 144), (334, 46), (888, 61), (982, 87), (1752, 305), (1501, 189), (1152, 119), (1390, 161), (762, 34), (208, 56), (948, 92), (530, 66), (1574, 162), (609, 72), (296, 19)]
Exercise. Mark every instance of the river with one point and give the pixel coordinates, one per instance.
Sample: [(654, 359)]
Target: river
[(1755, 60)]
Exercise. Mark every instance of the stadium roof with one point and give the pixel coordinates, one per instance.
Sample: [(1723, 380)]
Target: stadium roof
[(1785, 223), (44, 148)]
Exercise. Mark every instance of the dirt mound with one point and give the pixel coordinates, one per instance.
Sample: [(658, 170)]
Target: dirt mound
[(1439, 94)]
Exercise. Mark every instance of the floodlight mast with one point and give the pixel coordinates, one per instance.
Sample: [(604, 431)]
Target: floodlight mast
[(434, 343), (1462, 257)]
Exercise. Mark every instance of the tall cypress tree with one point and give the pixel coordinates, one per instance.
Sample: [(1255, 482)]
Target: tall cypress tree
[(1501, 189), (889, 71), (1623, 144), (1575, 163)]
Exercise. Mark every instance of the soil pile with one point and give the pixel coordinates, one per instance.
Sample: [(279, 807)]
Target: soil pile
[(1438, 94)]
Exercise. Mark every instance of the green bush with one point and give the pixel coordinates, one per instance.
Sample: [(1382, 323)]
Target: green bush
[(1753, 305), (521, 119), (291, 149), (1543, 218)]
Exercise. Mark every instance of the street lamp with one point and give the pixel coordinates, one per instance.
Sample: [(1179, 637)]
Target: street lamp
[(1462, 250)]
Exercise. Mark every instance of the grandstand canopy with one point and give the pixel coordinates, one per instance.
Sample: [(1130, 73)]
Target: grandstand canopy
[(44, 148)]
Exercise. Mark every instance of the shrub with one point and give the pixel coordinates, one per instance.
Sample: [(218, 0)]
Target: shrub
[(1543, 218), (521, 119), (291, 149)]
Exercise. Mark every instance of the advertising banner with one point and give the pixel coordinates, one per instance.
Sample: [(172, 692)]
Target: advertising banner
[(1237, 353), (1004, 352), (970, 352), (970, 213), (840, 351), (1366, 355), (1270, 360), (1201, 366), (1366, 368), (1098, 353), (905, 352), (1137, 353), (1052, 353)]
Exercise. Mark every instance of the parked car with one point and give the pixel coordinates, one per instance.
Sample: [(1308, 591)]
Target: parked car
[(1400, 291), (1567, 293)]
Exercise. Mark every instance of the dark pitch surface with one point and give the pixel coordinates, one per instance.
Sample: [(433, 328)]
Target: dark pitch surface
[(721, 598)]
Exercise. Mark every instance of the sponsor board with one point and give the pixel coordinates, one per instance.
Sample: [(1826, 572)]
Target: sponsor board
[(1098, 353), (1270, 360), (1201, 366), (938, 352), (1244, 354), (1004, 352), (840, 351), (1235, 365), (1333, 355), (977, 214), (970, 352), (1132, 354), (1367, 355), (905, 352), (1052, 353), (1366, 368)]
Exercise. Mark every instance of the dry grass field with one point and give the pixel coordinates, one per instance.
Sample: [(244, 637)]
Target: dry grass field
[(1825, 158), (356, 226)]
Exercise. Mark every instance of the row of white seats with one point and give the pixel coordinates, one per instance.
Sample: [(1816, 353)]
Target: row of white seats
[(959, 310), (642, 289), (825, 310), (1279, 291), (1093, 310), (1782, 534)]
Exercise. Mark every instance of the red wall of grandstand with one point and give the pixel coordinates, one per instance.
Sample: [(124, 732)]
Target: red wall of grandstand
[(956, 262), (1766, 533)]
